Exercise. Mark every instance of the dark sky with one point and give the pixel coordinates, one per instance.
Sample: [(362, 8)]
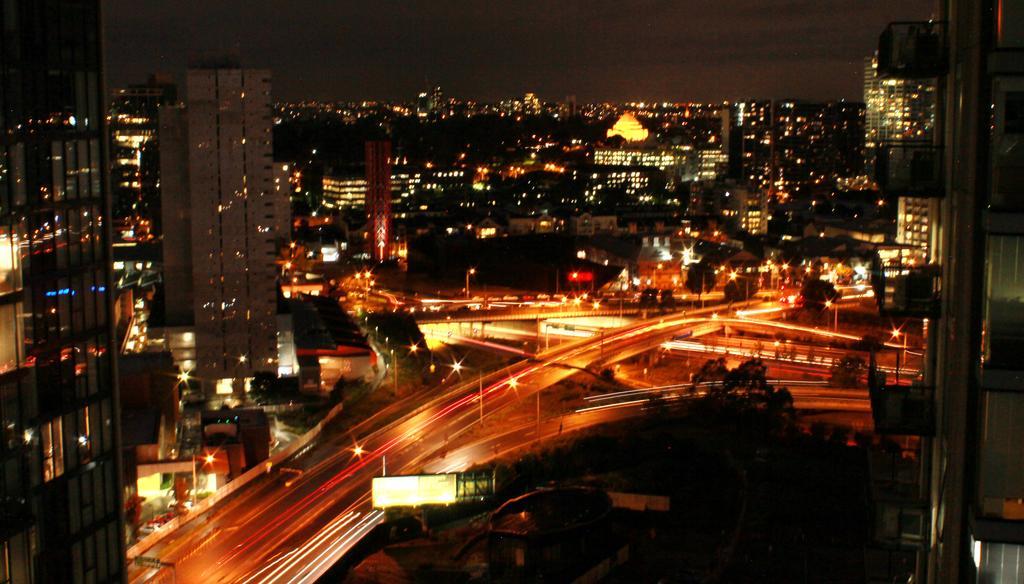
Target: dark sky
[(679, 50)]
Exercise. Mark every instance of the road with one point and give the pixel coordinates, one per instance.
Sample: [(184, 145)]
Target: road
[(273, 533)]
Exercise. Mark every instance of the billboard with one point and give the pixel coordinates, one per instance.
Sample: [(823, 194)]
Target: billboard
[(414, 490)]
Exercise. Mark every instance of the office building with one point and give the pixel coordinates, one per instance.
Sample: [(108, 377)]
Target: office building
[(135, 158), (220, 193), (59, 457)]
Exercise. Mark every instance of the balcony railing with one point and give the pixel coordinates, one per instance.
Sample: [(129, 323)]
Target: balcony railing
[(912, 292), (903, 409), (911, 169), (913, 50), (901, 524)]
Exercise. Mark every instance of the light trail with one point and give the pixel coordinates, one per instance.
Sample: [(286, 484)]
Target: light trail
[(328, 557), (613, 406), (557, 355), (663, 388), (300, 552), (453, 338)]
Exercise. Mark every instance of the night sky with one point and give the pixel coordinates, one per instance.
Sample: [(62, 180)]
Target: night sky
[(679, 50)]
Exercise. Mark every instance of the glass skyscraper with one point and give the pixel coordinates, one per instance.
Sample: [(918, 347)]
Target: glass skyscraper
[(60, 507)]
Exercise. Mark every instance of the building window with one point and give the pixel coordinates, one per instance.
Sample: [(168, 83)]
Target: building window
[(1001, 488), (52, 441), (1004, 303)]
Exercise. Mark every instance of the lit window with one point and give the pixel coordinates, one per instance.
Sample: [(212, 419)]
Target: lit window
[(51, 436)]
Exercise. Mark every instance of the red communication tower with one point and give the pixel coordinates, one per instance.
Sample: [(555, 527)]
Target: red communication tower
[(378, 198)]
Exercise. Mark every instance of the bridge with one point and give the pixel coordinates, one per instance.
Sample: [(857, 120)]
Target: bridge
[(532, 313)]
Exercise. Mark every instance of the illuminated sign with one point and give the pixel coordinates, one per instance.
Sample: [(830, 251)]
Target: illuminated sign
[(414, 490)]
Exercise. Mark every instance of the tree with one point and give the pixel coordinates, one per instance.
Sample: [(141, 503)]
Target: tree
[(815, 293), (740, 289), (700, 278), (747, 389), (711, 370)]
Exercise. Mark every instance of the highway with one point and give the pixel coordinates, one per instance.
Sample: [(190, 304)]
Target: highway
[(273, 533)]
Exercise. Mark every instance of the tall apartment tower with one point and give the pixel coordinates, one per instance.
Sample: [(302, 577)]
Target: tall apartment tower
[(135, 158), (966, 521), (978, 462), (60, 491), (221, 198), (378, 199), (901, 112)]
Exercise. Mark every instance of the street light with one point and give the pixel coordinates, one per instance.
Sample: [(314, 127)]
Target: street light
[(469, 273), (896, 334), (835, 307), (208, 459)]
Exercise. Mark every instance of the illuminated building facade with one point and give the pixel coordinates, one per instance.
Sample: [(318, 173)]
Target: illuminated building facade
[(378, 199), (794, 147), (635, 181), (901, 111), (135, 158), (341, 191), (816, 143), (749, 133), (896, 109), (679, 164), (60, 489), (913, 221), (226, 186), (628, 128)]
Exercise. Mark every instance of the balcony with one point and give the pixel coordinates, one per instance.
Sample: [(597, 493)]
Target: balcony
[(910, 169), (900, 523), (903, 409), (912, 292), (913, 50)]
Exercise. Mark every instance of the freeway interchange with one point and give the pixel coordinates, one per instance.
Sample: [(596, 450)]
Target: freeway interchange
[(292, 527)]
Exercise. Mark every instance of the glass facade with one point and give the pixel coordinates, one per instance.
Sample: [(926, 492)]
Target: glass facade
[(1004, 302), (59, 483)]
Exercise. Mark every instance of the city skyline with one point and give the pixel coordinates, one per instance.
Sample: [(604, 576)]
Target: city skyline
[(604, 51)]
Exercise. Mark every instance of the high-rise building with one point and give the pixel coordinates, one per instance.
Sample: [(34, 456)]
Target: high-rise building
[(135, 158), (793, 147), (60, 489), (749, 136), (900, 111), (977, 469), (961, 512), (378, 199), (222, 197), (896, 109)]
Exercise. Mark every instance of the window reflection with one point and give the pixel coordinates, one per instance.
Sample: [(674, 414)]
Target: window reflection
[(1004, 342)]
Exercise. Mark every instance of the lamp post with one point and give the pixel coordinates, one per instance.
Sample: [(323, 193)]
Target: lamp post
[(469, 273), (834, 305), (207, 459), (897, 333)]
